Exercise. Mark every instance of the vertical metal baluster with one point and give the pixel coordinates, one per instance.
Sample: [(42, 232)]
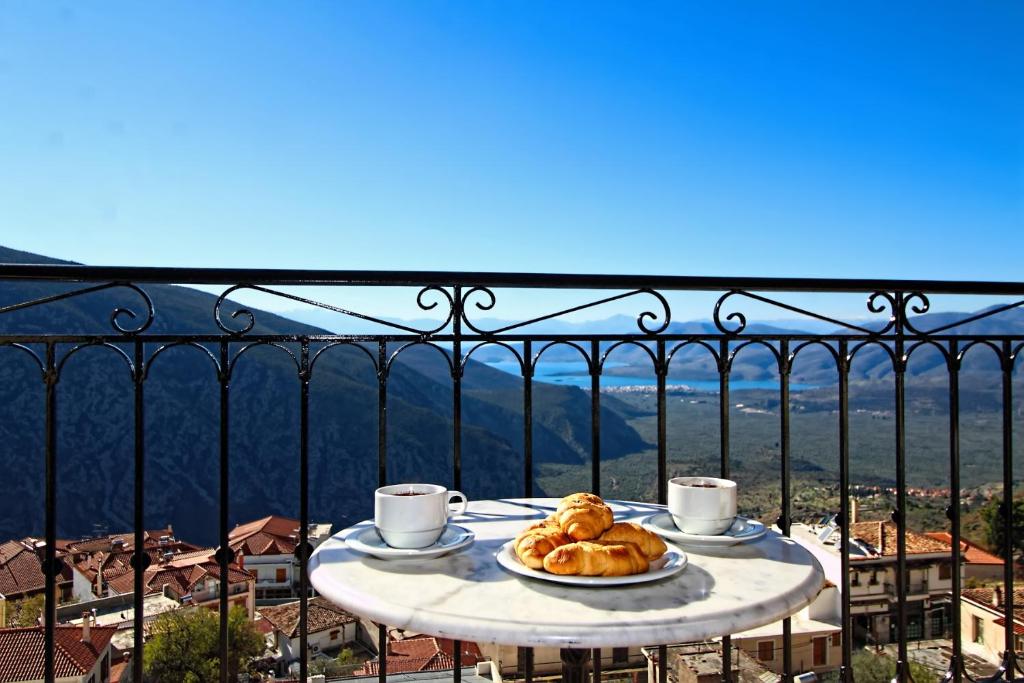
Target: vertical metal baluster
[(956, 662), (302, 551), (1009, 657), (139, 560), (526, 653), (528, 421), (899, 515), (595, 417), (723, 438), (662, 372), (595, 457), (843, 365), (382, 478), (50, 605), (224, 552), (457, 437), (785, 365)]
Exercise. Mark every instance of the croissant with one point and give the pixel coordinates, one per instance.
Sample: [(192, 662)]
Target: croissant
[(583, 516), (648, 543), (536, 541), (594, 558)]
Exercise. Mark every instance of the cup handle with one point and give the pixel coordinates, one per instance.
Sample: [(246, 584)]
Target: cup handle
[(461, 508)]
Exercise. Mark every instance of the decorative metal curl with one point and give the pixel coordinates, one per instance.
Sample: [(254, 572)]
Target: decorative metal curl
[(147, 319), (741, 320), (876, 308), (642, 319), (921, 309), (251, 322)]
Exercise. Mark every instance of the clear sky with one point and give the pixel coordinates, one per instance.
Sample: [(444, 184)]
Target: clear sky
[(770, 139)]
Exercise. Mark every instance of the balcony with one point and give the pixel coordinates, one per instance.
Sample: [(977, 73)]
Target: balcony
[(140, 341)]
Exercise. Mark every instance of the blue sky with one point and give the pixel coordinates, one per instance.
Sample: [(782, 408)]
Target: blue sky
[(770, 139)]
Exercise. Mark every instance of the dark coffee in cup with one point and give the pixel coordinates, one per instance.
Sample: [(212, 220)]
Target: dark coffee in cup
[(702, 485), (411, 493)]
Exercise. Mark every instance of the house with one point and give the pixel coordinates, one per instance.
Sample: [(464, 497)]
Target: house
[(329, 628), (268, 548), (978, 562), (99, 560), (21, 573), (193, 579), (816, 637), (982, 622), (873, 594), (118, 612), (82, 654), (422, 653)]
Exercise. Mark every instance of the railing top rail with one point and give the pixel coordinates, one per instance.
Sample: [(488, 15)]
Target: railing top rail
[(395, 278)]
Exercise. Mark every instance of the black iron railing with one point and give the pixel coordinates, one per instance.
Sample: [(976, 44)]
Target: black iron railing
[(460, 297)]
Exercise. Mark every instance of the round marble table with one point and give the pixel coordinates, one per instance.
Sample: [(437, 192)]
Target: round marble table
[(467, 595)]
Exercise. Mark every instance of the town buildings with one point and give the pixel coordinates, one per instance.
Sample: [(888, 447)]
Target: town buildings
[(873, 592), (21, 573), (329, 629), (816, 637), (82, 654), (983, 620), (978, 563), (422, 653), (267, 548)]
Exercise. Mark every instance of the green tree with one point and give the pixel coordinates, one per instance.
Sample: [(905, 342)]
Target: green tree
[(993, 519), (185, 642), (25, 612), (871, 667)]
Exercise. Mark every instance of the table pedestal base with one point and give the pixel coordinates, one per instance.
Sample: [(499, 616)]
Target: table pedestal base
[(574, 665)]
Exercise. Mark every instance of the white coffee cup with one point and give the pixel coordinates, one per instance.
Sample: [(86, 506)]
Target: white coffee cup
[(702, 505), (414, 515)]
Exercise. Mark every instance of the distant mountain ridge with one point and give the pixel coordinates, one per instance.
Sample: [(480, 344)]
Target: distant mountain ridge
[(95, 428)]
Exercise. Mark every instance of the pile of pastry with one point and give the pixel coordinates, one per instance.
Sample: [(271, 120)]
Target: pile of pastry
[(582, 538)]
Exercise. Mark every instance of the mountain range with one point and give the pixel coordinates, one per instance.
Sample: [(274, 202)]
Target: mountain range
[(95, 436)]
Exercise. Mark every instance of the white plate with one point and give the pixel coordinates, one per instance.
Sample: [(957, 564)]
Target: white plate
[(369, 541), (672, 562), (743, 530)]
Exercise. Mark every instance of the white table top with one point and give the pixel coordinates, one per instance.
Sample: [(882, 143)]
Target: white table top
[(468, 596)]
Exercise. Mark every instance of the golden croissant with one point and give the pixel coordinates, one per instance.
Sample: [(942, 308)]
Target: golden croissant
[(595, 558), (650, 544), (535, 542), (583, 516)]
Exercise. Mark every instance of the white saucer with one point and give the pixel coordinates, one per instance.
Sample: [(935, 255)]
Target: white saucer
[(369, 541), (672, 562), (743, 530)]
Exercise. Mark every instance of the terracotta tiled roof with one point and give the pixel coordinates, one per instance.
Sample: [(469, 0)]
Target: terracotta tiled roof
[(21, 568), (983, 596), (971, 553), (423, 653), (881, 537), (322, 615), (21, 651), (273, 535), (182, 574)]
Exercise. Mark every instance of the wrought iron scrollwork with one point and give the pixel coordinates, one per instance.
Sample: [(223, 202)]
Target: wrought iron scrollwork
[(144, 321), (250, 323), (740, 319), (643, 320)]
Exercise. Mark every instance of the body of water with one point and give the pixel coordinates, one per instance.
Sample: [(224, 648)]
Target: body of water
[(574, 373)]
